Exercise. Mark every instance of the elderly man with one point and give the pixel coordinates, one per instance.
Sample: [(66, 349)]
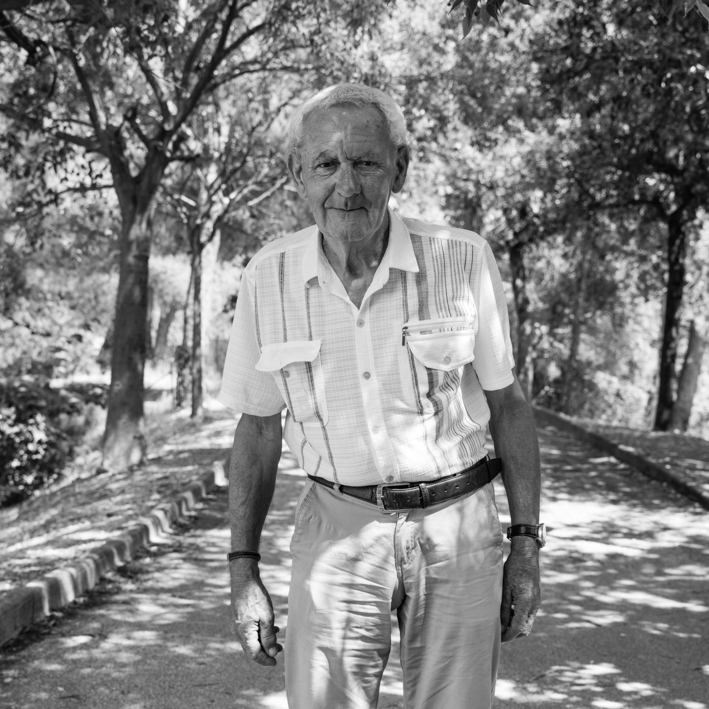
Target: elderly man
[(387, 341)]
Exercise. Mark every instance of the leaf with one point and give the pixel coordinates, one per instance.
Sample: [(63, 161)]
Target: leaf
[(703, 9), (667, 7), (493, 8), (468, 21), (453, 4), (688, 6)]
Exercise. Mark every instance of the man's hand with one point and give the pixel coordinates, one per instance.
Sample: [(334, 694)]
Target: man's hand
[(253, 613), (521, 589)]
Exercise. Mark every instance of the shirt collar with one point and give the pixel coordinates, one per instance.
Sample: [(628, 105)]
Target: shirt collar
[(399, 254)]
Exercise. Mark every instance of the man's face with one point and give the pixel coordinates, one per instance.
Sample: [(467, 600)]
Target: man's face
[(346, 170)]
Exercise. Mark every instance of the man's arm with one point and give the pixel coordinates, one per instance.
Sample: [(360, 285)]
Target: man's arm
[(515, 437), (252, 478)]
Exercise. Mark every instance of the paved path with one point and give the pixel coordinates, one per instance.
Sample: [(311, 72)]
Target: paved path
[(625, 621)]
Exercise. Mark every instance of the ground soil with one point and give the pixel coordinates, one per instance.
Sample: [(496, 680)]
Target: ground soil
[(83, 510), (687, 456)]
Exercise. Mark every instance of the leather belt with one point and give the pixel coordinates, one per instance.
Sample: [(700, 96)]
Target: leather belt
[(409, 496)]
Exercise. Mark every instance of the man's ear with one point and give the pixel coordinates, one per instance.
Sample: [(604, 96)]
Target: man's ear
[(295, 168), (403, 155)]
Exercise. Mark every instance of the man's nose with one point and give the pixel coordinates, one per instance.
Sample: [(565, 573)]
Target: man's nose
[(347, 181)]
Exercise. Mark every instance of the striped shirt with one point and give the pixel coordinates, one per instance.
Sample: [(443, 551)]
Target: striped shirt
[(392, 392)]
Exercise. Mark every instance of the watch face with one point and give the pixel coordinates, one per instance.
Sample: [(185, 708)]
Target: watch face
[(542, 532)]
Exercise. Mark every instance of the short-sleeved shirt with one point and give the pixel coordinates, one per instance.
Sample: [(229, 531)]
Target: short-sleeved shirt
[(392, 391)]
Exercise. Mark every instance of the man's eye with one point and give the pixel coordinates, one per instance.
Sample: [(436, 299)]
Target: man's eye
[(325, 165)]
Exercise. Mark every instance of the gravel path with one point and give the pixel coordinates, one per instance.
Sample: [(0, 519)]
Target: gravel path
[(64, 522), (624, 621), (687, 456)]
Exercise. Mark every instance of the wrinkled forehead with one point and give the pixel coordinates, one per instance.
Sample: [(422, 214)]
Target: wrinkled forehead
[(322, 123)]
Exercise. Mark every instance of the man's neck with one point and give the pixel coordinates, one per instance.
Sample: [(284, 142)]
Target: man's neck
[(355, 263), (355, 258)]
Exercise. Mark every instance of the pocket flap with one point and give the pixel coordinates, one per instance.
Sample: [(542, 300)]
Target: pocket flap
[(277, 356), (445, 344)]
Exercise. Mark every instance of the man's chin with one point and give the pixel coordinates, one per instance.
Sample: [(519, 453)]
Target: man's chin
[(349, 226)]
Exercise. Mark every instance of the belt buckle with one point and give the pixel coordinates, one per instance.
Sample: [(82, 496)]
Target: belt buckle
[(395, 486), (380, 497)]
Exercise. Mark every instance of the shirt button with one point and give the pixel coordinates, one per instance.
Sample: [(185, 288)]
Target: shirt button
[(375, 429), (286, 373), (360, 323), (366, 375), (390, 478), (446, 360)]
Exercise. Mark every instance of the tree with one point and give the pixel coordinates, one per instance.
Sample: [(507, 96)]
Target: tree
[(489, 10), (236, 167), (633, 88), (121, 80)]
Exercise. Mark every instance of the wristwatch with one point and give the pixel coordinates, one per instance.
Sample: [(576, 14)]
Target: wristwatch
[(538, 532)]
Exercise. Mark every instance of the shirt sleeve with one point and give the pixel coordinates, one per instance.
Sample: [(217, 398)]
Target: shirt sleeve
[(494, 359), (244, 389)]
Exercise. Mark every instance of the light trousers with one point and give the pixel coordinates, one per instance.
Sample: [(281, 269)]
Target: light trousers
[(440, 568)]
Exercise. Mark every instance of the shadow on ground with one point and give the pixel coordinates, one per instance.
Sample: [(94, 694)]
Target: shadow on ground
[(625, 617), (624, 621)]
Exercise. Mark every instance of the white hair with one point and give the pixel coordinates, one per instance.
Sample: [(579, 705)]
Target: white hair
[(347, 95)]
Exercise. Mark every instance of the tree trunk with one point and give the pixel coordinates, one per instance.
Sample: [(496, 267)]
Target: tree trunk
[(688, 378), (124, 440), (676, 253), (182, 352), (196, 323), (161, 336), (577, 319), (149, 350), (523, 359), (104, 355)]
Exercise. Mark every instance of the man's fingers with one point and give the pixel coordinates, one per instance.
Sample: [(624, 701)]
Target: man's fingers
[(521, 623), (248, 632), (521, 593), (267, 636), (506, 608)]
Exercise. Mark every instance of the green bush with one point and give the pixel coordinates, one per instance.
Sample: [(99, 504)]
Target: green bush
[(33, 450)]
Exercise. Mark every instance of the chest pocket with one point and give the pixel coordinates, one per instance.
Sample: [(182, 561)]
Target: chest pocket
[(297, 369), (444, 344)]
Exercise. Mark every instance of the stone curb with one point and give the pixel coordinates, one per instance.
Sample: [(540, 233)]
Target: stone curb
[(22, 607), (646, 467)]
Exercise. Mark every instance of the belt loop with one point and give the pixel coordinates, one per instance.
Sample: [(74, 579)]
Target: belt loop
[(425, 495), (338, 488)]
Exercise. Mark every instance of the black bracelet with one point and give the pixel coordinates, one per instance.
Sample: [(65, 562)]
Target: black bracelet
[(243, 554)]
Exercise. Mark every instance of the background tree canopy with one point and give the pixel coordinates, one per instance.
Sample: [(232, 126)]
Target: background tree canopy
[(140, 169)]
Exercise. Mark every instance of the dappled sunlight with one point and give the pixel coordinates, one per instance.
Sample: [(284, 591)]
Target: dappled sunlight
[(574, 683), (624, 576), (622, 625), (644, 599), (275, 701), (81, 515)]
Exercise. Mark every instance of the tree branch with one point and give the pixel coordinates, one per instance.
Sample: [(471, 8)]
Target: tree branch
[(130, 118), (199, 44), (150, 77), (94, 113), (206, 76), (91, 145), (265, 195)]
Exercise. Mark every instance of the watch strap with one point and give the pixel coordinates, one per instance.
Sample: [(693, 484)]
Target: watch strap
[(531, 530), (536, 531)]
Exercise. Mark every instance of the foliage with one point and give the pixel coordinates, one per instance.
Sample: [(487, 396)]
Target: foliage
[(32, 451), (489, 10), (13, 283), (39, 427)]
